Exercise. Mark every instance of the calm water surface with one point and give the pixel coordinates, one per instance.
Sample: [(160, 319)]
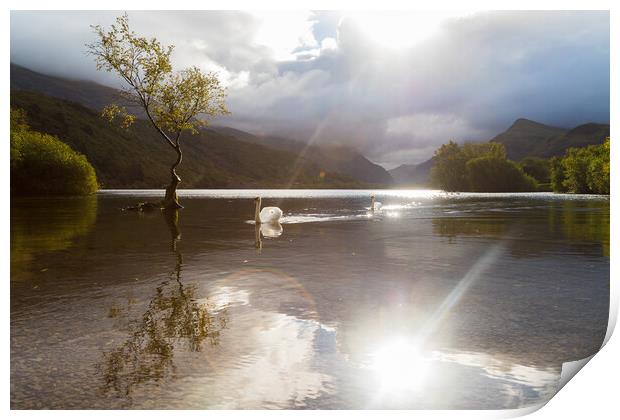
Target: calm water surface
[(437, 301)]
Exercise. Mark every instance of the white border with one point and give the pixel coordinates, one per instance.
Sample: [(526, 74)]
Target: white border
[(592, 394)]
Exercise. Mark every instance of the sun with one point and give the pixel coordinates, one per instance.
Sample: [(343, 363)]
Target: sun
[(399, 30)]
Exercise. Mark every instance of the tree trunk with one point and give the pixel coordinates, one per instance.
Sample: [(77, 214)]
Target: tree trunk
[(171, 201)]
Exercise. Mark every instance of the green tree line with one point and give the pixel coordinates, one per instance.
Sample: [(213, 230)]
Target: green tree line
[(483, 167), (478, 167), (43, 165), (582, 170)]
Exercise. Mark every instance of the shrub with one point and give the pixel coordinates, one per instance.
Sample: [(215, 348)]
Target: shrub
[(448, 171), (583, 170), (556, 174), (480, 167), (537, 168), (494, 174), (43, 165), (597, 176)]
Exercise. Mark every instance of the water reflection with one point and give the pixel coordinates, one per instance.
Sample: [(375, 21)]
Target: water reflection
[(583, 222), (174, 316), (580, 221), (451, 227), (267, 230), (269, 359), (403, 375), (271, 230), (48, 225), (172, 221), (343, 311)]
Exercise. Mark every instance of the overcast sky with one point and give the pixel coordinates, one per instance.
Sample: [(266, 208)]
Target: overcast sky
[(393, 85)]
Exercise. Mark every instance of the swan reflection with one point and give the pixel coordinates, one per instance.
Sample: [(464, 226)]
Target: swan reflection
[(266, 230), (271, 230)]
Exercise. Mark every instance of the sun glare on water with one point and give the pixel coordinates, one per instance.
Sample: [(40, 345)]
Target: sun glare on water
[(400, 366)]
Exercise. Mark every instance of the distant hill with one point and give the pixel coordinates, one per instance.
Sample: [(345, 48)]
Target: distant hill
[(580, 136), (139, 158), (523, 138), (332, 158), (529, 138), (413, 175), (89, 94), (342, 160)]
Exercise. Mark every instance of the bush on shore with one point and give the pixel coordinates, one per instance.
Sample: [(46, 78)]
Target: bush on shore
[(43, 165)]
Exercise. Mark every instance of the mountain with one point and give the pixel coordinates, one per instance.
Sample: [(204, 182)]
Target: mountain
[(333, 159), (89, 94), (524, 136), (139, 158), (340, 159), (530, 138), (413, 175), (580, 136)]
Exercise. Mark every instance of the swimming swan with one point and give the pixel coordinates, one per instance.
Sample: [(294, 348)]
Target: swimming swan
[(267, 214), (374, 205)]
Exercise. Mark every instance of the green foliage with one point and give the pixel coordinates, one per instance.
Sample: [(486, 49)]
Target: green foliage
[(449, 168), (598, 168), (137, 158), (494, 174), (582, 170), (18, 120), (172, 101), (490, 149), (478, 167), (43, 165), (537, 168), (556, 174)]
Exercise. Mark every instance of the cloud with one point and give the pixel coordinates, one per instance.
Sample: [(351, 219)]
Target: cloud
[(395, 86)]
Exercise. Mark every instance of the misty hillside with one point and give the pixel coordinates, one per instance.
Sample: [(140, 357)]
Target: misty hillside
[(343, 160), (413, 175), (332, 158), (139, 158), (89, 94)]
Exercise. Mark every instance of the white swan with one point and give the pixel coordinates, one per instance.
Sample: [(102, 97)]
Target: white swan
[(267, 214), (374, 205)]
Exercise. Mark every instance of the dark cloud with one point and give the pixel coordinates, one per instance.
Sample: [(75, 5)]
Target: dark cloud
[(324, 77)]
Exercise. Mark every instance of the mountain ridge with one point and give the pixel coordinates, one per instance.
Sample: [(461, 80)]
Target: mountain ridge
[(344, 161), (138, 158)]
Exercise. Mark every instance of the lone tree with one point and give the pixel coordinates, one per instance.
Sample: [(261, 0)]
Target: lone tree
[(172, 101)]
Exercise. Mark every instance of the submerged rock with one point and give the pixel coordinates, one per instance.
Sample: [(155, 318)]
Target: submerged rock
[(143, 207)]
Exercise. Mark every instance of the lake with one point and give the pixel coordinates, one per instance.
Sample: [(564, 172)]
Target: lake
[(464, 301)]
